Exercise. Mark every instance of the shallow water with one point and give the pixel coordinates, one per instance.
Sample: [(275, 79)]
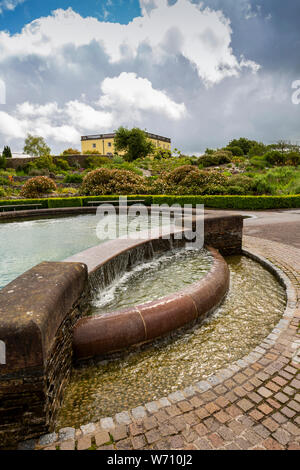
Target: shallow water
[(252, 308), (163, 275), (24, 244)]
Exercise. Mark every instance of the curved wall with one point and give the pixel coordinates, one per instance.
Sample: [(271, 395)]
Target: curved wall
[(105, 334)]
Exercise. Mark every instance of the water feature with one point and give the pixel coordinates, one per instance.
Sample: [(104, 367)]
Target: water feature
[(252, 308), (24, 244), (162, 275)]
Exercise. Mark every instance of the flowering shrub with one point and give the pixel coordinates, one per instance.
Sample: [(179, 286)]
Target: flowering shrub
[(35, 187), (106, 181)]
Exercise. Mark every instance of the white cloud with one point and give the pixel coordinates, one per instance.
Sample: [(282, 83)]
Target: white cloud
[(131, 94), (202, 36), (9, 4), (86, 117), (29, 109)]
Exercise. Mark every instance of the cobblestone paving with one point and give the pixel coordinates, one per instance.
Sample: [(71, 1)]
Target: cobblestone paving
[(253, 404)]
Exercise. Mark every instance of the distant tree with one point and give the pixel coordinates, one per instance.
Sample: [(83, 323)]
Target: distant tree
[(243, 143), (134, 142), (2, 162), (36, 146), (7, 152), (257, 150), (236, 151)]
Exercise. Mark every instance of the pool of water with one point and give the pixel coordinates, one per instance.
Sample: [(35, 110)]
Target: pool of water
[(163, 275), (24, 244), (252, 308)]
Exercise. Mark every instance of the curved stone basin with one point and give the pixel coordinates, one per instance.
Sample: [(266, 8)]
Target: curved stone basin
[(115, 331)]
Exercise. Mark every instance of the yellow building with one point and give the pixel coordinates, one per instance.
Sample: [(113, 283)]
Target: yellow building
[(105, 143)]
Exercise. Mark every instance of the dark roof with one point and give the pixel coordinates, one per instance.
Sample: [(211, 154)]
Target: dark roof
[(112, 135)]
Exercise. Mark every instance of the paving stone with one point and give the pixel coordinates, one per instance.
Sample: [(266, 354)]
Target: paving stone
[(173, 410), (222, 417), (191, 418), (101, 438), (84, 443), (233, 411), (123, 418), (175, 397), (107, 423), (252, 437), (150, 423), (272, 444), (261, 431), (135, 429), (256, 415), (189, 435), (196, 402), (185, 406), (106, 448), (245, 404), (264, 392), (176, 442), (216, 440), (139, 412), (48, 439), (281, 436), (126, 444), (265, 409), (88, 429), (152, 407), (67, 445), (270, 424), (292, 429), (288, 412), (212, 424), (281, 397), (280, 418), (203, 386), (152, 436), (119, 433), (203, 444), (164, 402), (167, 429), (201, 429), (66, 434), (226, 433), (212, 407), (138, 442)]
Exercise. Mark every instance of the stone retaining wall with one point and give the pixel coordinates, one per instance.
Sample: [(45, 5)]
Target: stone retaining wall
[(21, 162), (37, 313)]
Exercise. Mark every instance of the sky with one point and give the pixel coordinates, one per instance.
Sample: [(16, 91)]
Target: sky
[(201, 72)]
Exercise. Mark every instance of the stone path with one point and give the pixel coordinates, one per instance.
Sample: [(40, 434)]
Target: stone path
[(254, 404)]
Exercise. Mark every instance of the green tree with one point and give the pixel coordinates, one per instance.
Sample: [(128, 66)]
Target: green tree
[(36, 146), (7, 152), (2, 162), (134, 142), (257, 150), (243, 143)]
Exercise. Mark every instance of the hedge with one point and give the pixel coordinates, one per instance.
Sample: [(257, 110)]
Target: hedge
[(233, 202), (216, 202), (56, 202), (86, 199), (16, 202)]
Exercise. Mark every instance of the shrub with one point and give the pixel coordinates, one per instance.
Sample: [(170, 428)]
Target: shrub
[(95, 162), (274, 157), (293, 158), (62, 164), (35, 187), (106, 181), (73, 178), (179, 174), (71, 151), (236, 151)]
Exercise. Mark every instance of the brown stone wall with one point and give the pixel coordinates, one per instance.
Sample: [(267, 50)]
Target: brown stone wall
[(36, 322), (21, 162)]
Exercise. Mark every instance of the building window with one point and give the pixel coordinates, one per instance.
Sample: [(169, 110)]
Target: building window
[(109, 144), (94, 146)]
